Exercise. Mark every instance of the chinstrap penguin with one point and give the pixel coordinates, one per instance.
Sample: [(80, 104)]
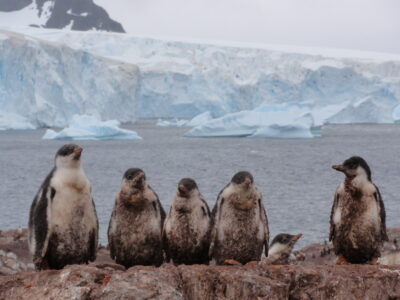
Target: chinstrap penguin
[(186, 233), (240, 225), (63, 225), (280, 249), (135, 228), (357, 222)]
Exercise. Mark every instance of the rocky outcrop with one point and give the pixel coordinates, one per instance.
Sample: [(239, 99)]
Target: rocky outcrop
[(104, 279), (206, 282)]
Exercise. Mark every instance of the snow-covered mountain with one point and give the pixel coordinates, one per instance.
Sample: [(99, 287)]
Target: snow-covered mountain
[(72, 14), (49, 75)]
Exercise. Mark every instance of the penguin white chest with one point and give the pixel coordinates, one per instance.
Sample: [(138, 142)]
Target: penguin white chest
[(72, 203)]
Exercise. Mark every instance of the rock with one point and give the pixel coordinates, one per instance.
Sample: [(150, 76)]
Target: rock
[(206, 282), (311, 278), (322, 253)]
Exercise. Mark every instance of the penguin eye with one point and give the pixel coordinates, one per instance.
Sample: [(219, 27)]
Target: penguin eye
[(129, 177)]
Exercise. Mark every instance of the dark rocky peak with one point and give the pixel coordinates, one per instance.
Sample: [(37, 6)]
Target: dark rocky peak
[(79, 15), (13, 5)]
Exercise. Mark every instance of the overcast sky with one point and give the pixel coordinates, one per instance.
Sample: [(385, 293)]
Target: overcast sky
[(371, 25)]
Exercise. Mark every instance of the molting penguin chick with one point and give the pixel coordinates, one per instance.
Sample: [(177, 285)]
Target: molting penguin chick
[(135, 228), (186, 232), (63, 225), (280, 249), (357, 222), (240, 225)]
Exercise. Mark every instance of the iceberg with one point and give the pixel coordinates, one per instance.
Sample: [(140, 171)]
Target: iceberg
[(199, 119), (265, 121), (196, 121), (86, 127), (171, 123)]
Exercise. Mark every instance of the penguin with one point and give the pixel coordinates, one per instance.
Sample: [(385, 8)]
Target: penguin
[(186, 233), (135, 228), (358, 218), (240, 225), (63, 224), (280, 249)]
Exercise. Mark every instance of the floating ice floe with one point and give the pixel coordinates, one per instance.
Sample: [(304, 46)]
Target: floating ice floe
[(199, 119), (196, 121), (85, 127), (281, 121), (14, 121), (171, 123)]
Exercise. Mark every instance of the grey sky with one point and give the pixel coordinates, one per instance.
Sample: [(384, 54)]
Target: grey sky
[(371, 25)]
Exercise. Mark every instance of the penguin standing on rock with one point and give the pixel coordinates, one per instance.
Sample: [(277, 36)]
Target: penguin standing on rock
[(135, 228), (357, 223), (240, 225), (186, 233), (63, 225)]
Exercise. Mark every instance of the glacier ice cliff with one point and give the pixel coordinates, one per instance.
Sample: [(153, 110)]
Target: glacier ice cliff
[(119, 76), (48, 83)]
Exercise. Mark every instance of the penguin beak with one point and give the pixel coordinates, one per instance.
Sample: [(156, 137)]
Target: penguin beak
[(182, 191), (297, 236), (340, 168), (138, 182), (247, 182), (77, 153)]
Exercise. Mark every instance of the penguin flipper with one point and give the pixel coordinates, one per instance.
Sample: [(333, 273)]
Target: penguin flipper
[(382, 214), (39, 218), (332, 221), (264, 219), (165, 238), (94, 237), (215, 215), (111, 235)]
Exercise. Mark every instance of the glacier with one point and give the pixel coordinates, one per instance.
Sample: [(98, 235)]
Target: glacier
[(87, 127), (14, 121), (47, 83), (124, 77)]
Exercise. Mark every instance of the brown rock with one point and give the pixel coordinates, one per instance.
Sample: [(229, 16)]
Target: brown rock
[(206, 282), (104, 279)]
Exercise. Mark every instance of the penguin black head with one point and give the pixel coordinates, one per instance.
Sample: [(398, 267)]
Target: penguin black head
[(353, 167), (135, 178), (285, 238), (243, 178), (186, 186), (283, 243), (68, 155)]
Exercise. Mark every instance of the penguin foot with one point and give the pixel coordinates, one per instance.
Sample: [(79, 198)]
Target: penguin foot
[(232, 262), (374, 261), (252, 263), (342, 261), (106, 279)]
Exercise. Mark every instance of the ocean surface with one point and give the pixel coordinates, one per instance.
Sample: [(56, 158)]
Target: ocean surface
[(294, 175)]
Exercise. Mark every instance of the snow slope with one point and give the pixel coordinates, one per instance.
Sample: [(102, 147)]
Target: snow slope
[(182, 79)]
